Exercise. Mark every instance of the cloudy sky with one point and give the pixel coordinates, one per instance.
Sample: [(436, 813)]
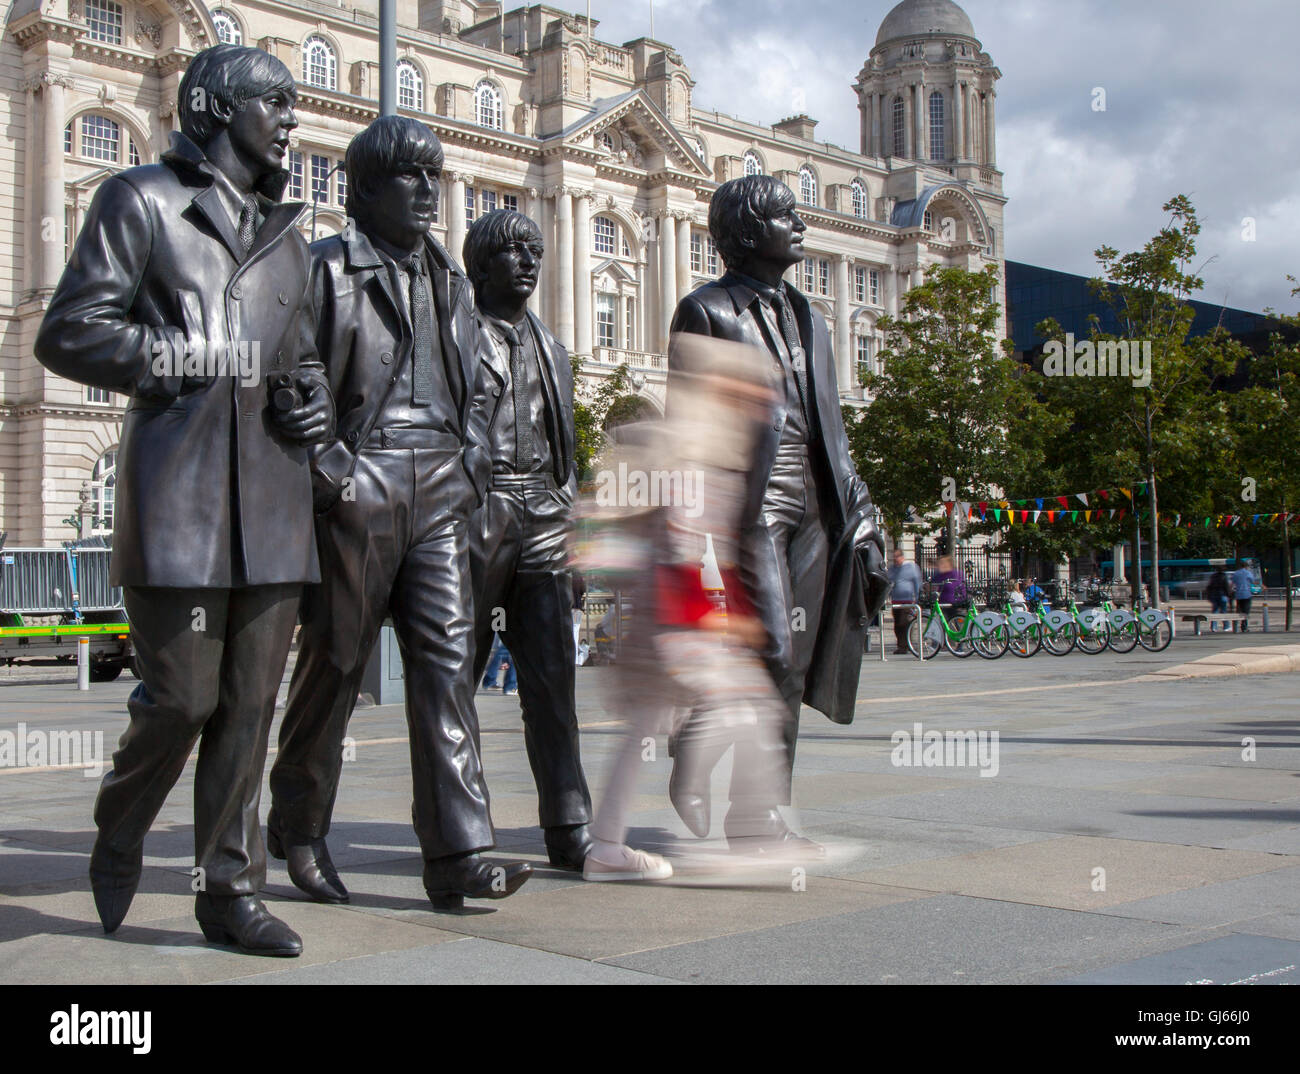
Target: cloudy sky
[(1201, 99)]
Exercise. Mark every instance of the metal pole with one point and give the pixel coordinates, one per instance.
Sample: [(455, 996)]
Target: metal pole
[(388, 57), (83, 663), (652, 19)]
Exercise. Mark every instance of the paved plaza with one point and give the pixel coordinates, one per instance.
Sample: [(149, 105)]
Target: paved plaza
[(1140, 823)]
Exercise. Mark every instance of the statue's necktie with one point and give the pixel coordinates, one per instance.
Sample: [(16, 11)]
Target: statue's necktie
[(519, 393), (422, 326), (248, 223), (790, 332)]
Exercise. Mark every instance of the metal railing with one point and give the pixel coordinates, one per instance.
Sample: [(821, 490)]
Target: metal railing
[(38, 581)]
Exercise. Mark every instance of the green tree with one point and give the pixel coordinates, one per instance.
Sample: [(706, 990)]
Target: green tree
[(1266, 416), (940, 407), (1160, 426), (592, 414)]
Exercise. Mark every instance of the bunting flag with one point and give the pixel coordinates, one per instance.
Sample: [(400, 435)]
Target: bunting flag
[(1082, 497)]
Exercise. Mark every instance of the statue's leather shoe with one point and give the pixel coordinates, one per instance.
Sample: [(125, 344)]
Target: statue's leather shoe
[(766, 834), (450, 881), (242, 921), (692, 803), (567, 847), (310, 867), (114, 877)]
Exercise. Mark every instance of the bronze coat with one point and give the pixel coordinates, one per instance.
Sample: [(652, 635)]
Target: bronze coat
[(729, 308), (209, 494), (557, 384), (359, 321)]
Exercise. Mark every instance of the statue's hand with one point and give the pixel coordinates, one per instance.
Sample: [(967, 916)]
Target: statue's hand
[(312, 420)]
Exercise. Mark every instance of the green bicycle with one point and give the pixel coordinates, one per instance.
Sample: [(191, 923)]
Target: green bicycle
[(1060, 631), (1093, 628), (1026, 631), (967, 632)]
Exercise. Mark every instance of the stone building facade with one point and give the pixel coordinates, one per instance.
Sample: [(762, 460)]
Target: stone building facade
[(599, 142)]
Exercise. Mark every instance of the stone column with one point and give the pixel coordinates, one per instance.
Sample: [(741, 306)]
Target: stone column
[(922, 151), (533, 210), (872, 147), (958, 121), (990, 130), (563, 327), (683, 256), (909, 122), (667, 276), (843, 343), (455, 211), (582, 272), (53, 191)]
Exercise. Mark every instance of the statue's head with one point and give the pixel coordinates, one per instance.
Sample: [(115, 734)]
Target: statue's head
[(393, 168), (244, 93), (753, 221), (503, 255)]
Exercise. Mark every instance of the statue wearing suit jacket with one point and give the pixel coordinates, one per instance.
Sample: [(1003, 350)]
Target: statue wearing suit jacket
[(519, 538), (187, 291), (395, 490), (810, 555)]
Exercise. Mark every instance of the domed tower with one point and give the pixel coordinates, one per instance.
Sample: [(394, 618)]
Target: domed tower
[(927, 92)]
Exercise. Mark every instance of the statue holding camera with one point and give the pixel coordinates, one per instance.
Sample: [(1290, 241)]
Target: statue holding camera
[(395, 489), (184, 272)]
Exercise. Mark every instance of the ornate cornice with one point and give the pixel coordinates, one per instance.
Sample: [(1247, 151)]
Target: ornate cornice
[(38, 27)]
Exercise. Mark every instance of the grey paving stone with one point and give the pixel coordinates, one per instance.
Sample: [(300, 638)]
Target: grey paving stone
[(946, 939), (463, 961), (1228, 960), (1232, 902)]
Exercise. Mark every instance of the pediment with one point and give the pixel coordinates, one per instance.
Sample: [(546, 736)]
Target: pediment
[(629, 129)]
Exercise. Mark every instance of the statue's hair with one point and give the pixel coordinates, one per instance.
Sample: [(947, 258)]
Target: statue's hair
[(490, 234), (381, 149), (738, 211), (231, 74)]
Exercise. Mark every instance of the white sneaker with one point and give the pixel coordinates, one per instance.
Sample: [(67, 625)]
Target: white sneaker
[(628, 864)]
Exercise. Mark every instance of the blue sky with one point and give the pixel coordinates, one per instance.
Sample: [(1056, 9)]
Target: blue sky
[(1201, 99)]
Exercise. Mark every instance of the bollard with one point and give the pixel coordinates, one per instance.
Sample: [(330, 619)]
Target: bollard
[(1264, 609), (83, 663)]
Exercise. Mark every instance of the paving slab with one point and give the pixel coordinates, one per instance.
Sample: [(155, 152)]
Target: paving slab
[(947, 939), (463, 961), (1228, 960), (173, 951), (1063, 871)]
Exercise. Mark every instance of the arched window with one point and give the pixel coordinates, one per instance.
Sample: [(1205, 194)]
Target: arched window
[(102, 139), (319, 65), (859, 189), (938, 141), (410, 87), (807, 186), (606, 238), (228, 31), (103, 488), (900, 127), (487, 106), (753, 166)]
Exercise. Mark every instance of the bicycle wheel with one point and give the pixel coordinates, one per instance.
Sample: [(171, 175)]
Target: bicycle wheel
[(1061, 641), (990, 644), (959, 642), (1091, 642), (915, 634), (1027, 642), (1156, 638), (1123, 639)]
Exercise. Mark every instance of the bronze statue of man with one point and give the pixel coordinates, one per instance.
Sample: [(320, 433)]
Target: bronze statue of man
[(810, 556), (396, 488), (187, 290), (519, 537)]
